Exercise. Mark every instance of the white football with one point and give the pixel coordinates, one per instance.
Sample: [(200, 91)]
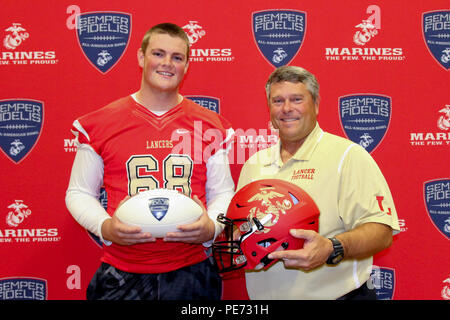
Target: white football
[(158, 211)]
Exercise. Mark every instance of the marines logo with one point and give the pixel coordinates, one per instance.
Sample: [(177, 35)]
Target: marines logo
[(367, 32), (445, 292), (19, 211), (437, 202), (369, 27), (20, 127), (194, 31), (17, 34), (436, 33), (279, 34), (444, 120), (270, 203), (103, 37), (365, 118)]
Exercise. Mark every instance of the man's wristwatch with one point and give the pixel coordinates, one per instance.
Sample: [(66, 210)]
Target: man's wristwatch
[(338, 252)]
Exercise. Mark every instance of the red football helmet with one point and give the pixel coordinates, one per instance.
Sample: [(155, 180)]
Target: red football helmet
[(258, 221)]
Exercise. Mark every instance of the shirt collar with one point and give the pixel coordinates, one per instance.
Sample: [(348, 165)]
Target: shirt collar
[(304, 153)]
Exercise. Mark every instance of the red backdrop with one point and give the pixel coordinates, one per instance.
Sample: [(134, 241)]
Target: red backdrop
[(396, 52)]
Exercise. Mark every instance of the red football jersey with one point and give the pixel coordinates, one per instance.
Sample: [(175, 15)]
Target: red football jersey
[(141, 151)]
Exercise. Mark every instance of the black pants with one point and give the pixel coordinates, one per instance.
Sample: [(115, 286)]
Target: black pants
[(196, 282), (362, 293)]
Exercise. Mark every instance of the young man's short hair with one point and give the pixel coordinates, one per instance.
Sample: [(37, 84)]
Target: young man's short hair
[(166, 28)]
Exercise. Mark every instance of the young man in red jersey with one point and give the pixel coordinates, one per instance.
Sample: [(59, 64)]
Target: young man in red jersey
[(132, 145)]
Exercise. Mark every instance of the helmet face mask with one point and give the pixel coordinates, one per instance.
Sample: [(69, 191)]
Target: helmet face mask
[(258, 221), (227, 251)]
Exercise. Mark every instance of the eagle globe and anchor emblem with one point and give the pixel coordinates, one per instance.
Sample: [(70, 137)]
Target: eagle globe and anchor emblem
[(16, 217), (17, 34), (443, 122), (268, 208)]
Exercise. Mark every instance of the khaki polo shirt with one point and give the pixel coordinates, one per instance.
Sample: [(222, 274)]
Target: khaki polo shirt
[(349, 190)]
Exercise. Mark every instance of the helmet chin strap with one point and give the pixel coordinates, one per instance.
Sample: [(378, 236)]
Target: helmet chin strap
[(255, 227)]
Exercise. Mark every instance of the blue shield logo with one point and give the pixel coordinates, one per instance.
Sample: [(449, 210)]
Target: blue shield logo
[(209, 103), (437, 201), (365, 118), (23, 288), (158, 207), (103, 37), (279, 34), (20, 127), (383, 280), (436, 33)]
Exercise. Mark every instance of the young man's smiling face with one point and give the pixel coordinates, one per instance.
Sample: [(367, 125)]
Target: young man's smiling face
[(164, 63)]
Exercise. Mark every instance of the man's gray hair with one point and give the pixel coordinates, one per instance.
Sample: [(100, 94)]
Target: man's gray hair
[(295, 75)]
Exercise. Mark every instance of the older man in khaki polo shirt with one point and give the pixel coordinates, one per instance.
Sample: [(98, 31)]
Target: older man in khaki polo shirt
[(358, 216)]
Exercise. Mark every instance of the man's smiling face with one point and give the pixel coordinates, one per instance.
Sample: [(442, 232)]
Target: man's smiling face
[(292, 110)]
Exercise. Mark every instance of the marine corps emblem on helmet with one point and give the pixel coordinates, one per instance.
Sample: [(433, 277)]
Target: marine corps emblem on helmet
[(258, 221), (271, 203)]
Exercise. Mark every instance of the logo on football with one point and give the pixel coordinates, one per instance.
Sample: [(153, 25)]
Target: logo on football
[(158, 207), (158, 211)]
